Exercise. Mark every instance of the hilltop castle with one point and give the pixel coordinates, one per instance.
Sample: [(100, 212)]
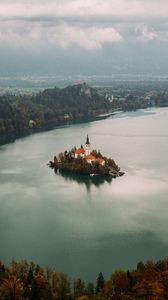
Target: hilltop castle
[(85, 152)]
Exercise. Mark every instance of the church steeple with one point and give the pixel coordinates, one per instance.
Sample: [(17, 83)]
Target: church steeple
[(87, 146), (87, 141)]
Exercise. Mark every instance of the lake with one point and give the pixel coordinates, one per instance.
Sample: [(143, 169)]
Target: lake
[(82, 227)]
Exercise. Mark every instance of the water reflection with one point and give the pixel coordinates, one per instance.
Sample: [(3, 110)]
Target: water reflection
[(86, 180)]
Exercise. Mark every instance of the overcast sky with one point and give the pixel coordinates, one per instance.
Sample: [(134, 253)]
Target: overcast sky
[(83, 36)]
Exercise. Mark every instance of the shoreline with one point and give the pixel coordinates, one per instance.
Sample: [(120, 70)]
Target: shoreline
[(12, 137), (58, 169)]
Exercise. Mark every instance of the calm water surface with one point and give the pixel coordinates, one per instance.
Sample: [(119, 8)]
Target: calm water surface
[(80, 227)]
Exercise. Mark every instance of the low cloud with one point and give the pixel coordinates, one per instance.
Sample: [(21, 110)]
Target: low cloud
[(82, 23), (88, 38), (145, 33), (125, 32), (62, 35)]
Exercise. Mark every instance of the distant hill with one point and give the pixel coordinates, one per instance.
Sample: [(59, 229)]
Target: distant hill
[(50, 108)]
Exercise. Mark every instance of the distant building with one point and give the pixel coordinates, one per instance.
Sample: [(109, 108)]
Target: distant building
[(111, 99), (32, 123), (85, 152), (80, 82), (90, 158), (80, 152), (66, 116)]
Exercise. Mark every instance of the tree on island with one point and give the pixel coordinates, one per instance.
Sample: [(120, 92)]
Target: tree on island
[(96, 153)]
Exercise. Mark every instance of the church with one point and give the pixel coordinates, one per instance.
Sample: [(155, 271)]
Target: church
[(85, 152)]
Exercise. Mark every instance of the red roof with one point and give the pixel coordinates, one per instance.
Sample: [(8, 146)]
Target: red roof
[(80, 151), (90, 156)]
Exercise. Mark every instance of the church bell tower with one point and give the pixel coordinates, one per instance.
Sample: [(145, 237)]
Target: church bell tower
[(87, 146)]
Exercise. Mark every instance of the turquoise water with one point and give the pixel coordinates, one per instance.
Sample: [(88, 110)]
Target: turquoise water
[(82, 227)]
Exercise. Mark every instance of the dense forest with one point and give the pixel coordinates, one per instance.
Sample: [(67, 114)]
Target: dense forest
[(28, 281), (52, 107)]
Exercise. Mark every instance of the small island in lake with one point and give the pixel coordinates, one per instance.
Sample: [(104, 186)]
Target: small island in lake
[(85, 161)]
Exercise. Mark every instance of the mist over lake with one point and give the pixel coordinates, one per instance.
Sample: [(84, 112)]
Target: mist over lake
[(82, 227)]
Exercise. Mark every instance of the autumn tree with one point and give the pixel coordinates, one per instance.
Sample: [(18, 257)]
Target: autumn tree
[(118, 285), (79, 288), (90, 289), (40, 289), (148, 290), (60, 286), (13, 287)]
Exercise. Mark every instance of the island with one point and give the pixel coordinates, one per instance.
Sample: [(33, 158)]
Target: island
[(85, 161)]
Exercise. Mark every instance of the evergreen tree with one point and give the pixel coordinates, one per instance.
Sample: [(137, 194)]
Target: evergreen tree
[(100, 282)]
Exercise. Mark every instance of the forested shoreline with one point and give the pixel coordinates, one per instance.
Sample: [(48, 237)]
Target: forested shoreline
[(50, 108), (24, 114), (28, 281)]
